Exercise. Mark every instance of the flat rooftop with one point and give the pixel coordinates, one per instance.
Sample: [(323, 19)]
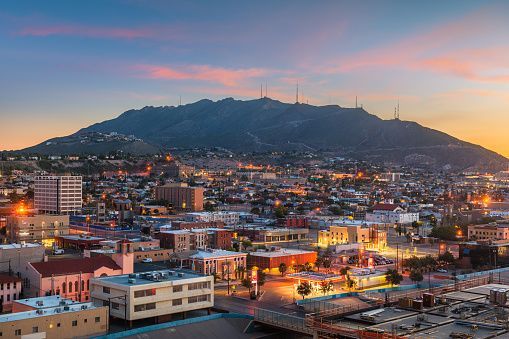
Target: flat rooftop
[(17, 246), (44, 302), (280, 253), (215, 254), (150, 277), (43, 312)]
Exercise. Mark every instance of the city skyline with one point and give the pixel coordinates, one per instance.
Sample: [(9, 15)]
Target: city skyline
[(65, 66)]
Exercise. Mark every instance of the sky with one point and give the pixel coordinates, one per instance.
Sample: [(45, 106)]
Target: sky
[(67, 64)]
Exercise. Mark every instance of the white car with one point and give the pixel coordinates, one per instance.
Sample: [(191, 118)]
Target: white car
[(442, 270), (58, 251), (147, 260)]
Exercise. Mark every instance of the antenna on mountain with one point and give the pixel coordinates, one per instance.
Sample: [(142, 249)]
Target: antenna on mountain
[(266, 95), (356, 102), (261, 91), (398, 108), (395, 114), (297, 93), (180, 100)]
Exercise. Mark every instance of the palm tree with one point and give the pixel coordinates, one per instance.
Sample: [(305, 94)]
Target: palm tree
[(344, 270), (326, 287), (282, 268), (416, 276), (247, 284), (350, 283), (327, 263), (318, 262), (240, 270), (304, 289)]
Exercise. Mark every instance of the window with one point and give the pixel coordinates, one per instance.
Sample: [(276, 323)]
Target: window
[(199, 285), (106, 290), (75, 323), (75, 286), (176, 302), (115, 306), (83, 285), (17, 332), (177, 288), (64, 285), (8, 297), (85, 321), (35, 329), (199, 298), (145, 293), (70, 287), (97, 319), (58, 325), (144, 307)]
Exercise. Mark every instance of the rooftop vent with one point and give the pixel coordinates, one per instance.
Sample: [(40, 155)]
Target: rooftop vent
[(62, 303), (181, 274), (39, 312), (132, 275), (66, 308), (39, 303), (131, 281)]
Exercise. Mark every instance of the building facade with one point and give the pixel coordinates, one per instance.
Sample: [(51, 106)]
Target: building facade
[(156, 294), (488, 232), (181, 196), (221, 262), (54, 317), (58, 194), (37, 228)]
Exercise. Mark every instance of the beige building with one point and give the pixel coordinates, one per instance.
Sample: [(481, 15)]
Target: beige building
[(36, 228), (353, 234), (53, 317), (156, 294), (58, 194), (181, 196), (488, 232)]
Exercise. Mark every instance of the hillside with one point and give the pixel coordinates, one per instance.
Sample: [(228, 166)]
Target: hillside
[(266, 124)]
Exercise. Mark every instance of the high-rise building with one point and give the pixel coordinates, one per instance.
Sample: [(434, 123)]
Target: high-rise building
[(58, 194), (181, 196)]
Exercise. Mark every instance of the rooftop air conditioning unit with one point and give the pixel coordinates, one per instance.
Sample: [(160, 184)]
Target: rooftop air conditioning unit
[(62, 303), (181, 275), (132, 275), (39, 303), (58, 310), (39, 312), (66, 308), (131, 281)]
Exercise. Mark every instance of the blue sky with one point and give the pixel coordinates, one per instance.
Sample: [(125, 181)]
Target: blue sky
[(67, 64)]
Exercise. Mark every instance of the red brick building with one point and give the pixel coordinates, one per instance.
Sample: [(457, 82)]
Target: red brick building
[(272, 259)]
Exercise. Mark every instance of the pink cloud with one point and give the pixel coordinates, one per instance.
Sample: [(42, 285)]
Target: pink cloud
[(441, 50), (224, 76)]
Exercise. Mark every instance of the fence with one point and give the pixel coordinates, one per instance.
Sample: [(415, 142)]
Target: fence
[(282, 320)]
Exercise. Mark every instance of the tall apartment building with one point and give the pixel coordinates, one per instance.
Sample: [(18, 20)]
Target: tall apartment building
[(181, 196), (58, 194), (157, 294)]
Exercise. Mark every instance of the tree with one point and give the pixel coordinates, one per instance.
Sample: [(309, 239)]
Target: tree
[(326, 287), (447, 232), (246, 243), (327, 263), (247, 284), (255, 210), (240, 270), (416, 276), (350, 283), (344, 270), (282, 268), (393, 277), (304, 289), (261, 278), (308, 267), (318, 262), (209, 207), (280, 211), (447, 257)]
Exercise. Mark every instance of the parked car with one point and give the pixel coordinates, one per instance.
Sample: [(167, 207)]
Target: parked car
[(147, 260), (441, 270), (58, 251)]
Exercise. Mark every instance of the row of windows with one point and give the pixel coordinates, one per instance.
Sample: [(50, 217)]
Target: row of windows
[(35, 329), (76, 285), (145, 293), (144, 307), (198, 298), (8, 286), (198, 285)]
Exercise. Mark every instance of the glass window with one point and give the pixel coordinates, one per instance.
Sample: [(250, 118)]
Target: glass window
[(177, 288), (177, 302), (75, 323), (97, 319), (106, 290)]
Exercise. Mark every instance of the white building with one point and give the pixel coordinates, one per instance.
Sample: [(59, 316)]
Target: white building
[(229, 218), (58, 194), (153, 294), (391, 213)]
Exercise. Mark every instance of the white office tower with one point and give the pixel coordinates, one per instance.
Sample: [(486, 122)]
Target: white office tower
[(58, 194)]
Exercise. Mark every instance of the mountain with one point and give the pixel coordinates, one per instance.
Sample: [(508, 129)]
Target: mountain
[(266, 124)]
